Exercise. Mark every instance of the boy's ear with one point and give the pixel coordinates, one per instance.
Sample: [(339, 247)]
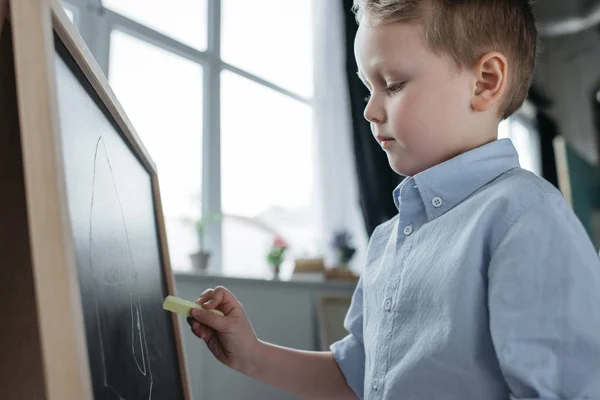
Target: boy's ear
[(490, 81)]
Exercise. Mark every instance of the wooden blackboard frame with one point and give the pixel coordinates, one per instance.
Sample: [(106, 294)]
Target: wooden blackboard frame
[(63, 355)]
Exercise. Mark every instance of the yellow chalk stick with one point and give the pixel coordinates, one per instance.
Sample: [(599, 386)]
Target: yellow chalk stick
[(183, 307)]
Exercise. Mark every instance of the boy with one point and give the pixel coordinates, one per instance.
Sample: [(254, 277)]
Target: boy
[(485, 285)]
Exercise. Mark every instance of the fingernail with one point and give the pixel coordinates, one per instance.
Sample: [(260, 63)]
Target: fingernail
[(196, 312)]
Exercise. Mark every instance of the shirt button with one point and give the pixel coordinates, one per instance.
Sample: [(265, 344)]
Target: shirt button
[(387, 306), (408, 230), (375, 384), (437, 202)]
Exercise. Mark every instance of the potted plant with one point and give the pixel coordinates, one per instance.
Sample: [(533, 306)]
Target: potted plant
[(343, 248), (276, 255), (200, 259), (344, 251)]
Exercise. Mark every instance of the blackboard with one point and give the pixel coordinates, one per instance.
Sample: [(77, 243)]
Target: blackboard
[(130, 339), (85, 264)]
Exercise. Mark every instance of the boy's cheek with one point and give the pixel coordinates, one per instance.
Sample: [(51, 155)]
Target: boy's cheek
[(405, 115)]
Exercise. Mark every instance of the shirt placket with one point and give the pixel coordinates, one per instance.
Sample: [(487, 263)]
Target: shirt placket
[(401, 248)]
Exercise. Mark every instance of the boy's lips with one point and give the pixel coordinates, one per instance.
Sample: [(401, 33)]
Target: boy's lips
[(384, 141)]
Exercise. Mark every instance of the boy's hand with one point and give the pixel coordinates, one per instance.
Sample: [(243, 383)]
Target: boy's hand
[(230, 338)]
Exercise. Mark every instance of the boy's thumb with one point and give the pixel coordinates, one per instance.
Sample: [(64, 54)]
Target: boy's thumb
[(212, 318)]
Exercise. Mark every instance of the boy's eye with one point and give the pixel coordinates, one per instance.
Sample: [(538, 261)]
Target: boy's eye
[(395, 87)]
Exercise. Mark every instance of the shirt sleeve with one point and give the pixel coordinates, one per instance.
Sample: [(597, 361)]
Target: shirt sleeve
[(349, 352), (544, 305)]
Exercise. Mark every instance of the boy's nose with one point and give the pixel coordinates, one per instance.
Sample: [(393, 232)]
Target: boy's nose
[(373, 112)]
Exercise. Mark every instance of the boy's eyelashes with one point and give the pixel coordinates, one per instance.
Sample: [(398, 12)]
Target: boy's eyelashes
[(393, 88)]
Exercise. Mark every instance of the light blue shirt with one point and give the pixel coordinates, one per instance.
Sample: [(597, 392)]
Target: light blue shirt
[(485, 286)]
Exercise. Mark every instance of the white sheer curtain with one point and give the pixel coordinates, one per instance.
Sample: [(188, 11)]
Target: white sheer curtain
[(335, 173)]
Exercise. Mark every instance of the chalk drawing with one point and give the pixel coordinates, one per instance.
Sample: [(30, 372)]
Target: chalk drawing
[(119, 317)]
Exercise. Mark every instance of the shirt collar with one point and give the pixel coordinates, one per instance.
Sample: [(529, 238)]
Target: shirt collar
[(444, 186)]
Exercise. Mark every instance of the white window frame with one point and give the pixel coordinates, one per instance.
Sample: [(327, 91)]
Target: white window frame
[(96, 23)]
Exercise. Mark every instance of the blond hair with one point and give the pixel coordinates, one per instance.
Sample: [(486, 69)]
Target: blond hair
[(468, 29)]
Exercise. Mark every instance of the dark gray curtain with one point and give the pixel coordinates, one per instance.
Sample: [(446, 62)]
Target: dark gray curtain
[(376, 180)]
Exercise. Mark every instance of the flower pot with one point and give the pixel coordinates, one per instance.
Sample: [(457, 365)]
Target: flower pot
[(276, 271), (200, 261)]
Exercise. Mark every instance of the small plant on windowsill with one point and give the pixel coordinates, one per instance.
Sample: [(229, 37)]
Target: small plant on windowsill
[(343, 248), (201, 258), (344, 251), (276, 255)]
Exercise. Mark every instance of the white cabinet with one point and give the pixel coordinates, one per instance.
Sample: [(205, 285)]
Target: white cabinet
[(283, 313)]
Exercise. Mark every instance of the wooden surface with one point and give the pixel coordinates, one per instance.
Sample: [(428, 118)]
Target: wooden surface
[(54, 271), (162, 234), (21, 372)]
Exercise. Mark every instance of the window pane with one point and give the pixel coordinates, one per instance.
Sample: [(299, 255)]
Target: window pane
[(162, 95), (526, 142), (267, 172), (183, 20), (271, 39)]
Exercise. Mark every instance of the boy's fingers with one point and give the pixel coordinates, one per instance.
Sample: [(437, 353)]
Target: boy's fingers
[(206, 295), (207, 300), (218, 298), (211, 298), (208, 334), (195, 327), (224, 300), (220, 294), (198, 331), (202, 331), (209, 318), (210, 304)]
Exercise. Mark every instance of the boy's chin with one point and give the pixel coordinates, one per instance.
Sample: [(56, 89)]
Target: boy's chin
[(402, 167)]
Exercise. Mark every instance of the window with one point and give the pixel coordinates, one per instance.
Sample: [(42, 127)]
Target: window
[(183, 20), (266, 129), (525, 138), (260, 37), (162, 95), (224, 109), (266, 168)]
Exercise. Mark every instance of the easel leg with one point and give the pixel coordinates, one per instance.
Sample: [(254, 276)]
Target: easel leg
[(3, 13)]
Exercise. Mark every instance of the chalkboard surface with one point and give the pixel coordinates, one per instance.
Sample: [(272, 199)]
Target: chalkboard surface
[(130, 339)]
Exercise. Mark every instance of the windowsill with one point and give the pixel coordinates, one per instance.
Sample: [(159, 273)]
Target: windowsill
[(223, 279)]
